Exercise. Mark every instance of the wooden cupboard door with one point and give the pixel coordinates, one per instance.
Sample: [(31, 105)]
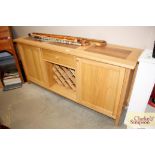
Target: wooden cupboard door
[(1, 86), (33, 64), (99, 86)]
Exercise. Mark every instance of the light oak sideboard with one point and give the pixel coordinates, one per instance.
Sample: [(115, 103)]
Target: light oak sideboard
[(103, 75)]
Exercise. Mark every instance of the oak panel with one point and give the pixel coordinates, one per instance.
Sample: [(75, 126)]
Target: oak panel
[(59, 58), (33, 65), (110, 51), (99, 84)]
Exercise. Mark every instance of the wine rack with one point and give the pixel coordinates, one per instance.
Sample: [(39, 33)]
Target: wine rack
[(64, 76)]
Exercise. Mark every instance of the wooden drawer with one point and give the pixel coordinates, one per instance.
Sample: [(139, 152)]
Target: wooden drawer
[(1, 86), (4, 31), (59, 58), (5, 44)]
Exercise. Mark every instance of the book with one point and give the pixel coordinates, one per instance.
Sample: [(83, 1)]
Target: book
[(11, 82), (11, 78)]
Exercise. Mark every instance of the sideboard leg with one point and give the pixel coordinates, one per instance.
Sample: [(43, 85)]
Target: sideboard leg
[(117, 121), (29, 82)]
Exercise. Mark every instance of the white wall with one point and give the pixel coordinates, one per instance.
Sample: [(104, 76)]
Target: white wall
[(136, 36)]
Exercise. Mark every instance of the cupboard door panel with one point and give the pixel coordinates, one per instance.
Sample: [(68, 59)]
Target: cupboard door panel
[(100, 85), (33, 65)]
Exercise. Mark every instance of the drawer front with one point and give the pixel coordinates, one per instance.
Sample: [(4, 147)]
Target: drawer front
[(59, 58), (5, 44)]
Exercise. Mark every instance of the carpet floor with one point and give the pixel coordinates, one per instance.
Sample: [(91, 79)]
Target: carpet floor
[(33, 107)]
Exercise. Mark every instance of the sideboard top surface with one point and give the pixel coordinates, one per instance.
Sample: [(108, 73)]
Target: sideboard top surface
[(112, 54)]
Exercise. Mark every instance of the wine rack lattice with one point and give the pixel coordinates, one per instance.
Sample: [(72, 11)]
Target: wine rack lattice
[(64, 76)]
